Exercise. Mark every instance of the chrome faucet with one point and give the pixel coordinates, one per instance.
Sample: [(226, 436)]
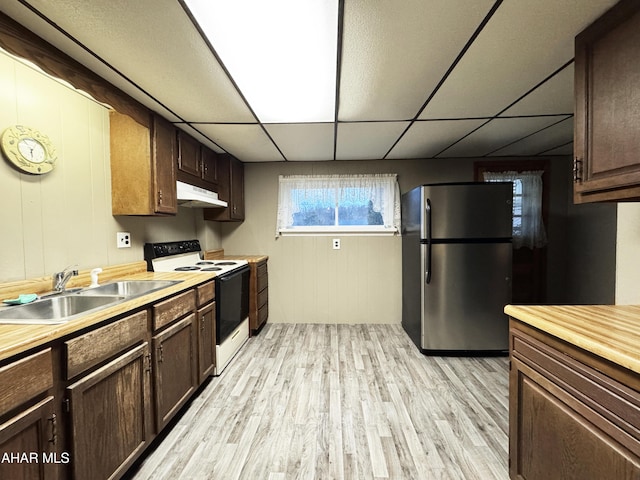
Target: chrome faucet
[(60, 279)]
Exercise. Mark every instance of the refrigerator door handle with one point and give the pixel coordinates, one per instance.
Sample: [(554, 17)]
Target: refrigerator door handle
[(427, 277)]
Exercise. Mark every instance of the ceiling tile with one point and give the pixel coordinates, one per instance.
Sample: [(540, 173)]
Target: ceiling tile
[(566, 149), (553, 96), (161, 52), (523, 43), (367, 141), (393, 54), (246, 142), (495, 134), (303, 141), (557, 134), (427, 139)]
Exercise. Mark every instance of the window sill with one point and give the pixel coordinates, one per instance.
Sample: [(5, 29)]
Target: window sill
[(347, 230)]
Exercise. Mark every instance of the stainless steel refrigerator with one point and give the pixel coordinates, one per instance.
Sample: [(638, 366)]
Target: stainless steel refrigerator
[(456, 267)]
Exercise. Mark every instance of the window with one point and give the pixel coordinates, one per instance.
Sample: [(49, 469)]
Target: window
[(338, 204), (528, 228)]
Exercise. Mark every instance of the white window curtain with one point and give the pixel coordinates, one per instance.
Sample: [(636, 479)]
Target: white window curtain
[(528, 228), (327, 203)]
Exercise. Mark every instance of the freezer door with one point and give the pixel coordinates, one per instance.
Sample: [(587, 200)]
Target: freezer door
[(471, 210), (463, 302)]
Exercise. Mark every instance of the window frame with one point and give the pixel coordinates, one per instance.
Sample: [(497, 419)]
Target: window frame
[(336, 229)]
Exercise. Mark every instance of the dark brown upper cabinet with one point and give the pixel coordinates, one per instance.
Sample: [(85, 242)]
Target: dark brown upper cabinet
[(197, 164), (607, 107)]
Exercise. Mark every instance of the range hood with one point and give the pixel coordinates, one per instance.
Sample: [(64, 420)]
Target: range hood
[(192, 196)]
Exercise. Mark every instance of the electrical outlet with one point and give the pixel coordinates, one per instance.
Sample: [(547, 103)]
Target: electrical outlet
[(123, 240), (336, 244)]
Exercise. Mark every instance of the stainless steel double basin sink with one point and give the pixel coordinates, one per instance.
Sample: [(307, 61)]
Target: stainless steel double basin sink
[(62, 307)]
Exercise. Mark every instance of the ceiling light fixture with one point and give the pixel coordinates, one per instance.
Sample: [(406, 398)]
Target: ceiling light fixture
[(282, 54)]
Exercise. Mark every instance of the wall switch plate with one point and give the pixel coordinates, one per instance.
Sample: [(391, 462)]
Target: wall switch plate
[(123, 240), (336, 244)]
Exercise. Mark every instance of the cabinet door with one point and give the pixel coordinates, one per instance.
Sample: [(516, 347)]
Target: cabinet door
[(230, 189), (209, 167), (31, 437), (568, 420), (237, 190), (175, 370), (607, 106), (110, 416), (206, 341), (188, 155), (163, 166)]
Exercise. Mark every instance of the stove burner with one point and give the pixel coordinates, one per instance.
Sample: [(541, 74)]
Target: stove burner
[(225, 263), (186, 269), (211, 269), (206, 262)]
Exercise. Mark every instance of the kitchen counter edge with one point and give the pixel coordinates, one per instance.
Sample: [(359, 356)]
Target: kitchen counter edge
[(609, 331)]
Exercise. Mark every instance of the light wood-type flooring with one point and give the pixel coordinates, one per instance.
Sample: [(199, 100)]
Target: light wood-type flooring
[(341, 402)]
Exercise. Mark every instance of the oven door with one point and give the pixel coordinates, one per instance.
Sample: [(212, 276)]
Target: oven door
[(232, 301)]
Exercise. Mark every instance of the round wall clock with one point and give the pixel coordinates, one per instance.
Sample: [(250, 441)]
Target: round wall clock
[(28, 149)]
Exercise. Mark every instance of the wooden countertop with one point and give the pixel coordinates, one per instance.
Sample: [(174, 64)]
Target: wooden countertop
[(15, 339), (609, 331), (219, 255)]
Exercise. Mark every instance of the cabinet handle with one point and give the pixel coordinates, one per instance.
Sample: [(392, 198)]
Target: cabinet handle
[(148, 361), (54, 429), (577, 170)]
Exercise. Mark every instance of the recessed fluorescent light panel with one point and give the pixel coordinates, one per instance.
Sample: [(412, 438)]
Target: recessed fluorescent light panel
[(282, 54)]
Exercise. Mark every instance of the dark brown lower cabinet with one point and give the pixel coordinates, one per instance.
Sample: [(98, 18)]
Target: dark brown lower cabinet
[(28, 441), (206, 341), (571, 414), (175, 360), (110, 415)]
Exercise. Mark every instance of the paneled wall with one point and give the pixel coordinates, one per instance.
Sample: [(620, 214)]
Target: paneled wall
[(361, 282), (64, 218)]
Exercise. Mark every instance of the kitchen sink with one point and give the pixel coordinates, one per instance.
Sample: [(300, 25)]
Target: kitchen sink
[(67, 305), (128, 288), (56, 309)]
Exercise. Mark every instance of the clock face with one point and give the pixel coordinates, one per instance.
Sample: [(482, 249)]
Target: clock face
[(28, 150), (32, 150)]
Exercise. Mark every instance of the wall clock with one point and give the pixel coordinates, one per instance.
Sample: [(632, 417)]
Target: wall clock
[(28, 149)]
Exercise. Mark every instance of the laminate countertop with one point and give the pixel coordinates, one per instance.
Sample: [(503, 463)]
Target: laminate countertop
[(220, 255), (609, 331), (16, 339)]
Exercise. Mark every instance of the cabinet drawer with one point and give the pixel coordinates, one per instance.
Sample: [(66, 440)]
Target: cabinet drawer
[(263, 297), (173, 308), (263, 313), (263, 281), (205, 293), (24, 379), (88, 350), (261, 269)]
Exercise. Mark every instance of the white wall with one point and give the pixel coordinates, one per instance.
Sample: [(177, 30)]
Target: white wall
[(628, 247), (64, 217)]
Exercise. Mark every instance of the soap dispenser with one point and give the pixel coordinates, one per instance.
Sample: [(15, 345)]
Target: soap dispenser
[(94, 277)]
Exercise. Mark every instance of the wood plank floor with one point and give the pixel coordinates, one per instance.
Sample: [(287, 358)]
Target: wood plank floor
[(341, 402)]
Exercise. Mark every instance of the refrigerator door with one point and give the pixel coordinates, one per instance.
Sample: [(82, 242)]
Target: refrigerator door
[(463, 303), (467, 210)]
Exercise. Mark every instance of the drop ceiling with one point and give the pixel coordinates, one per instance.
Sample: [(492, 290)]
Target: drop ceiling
[(413, 78)]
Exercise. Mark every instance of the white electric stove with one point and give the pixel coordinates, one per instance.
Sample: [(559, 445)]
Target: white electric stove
[(232, 290)]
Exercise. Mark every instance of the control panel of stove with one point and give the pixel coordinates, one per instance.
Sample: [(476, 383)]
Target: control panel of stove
[(166, 249)]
